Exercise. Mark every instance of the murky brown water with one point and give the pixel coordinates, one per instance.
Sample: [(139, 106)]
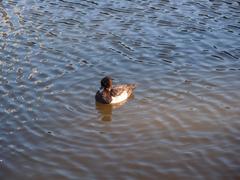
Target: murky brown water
[(183, 121)]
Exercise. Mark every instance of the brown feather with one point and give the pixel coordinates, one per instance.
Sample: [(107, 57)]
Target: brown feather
[(119, 89)]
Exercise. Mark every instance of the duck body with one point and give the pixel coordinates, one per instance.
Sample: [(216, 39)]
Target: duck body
[(109, 94)]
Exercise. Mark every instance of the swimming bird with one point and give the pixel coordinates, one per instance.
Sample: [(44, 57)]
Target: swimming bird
[(109, 94)]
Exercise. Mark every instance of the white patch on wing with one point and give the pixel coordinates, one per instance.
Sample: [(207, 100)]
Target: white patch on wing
[(120, 98)]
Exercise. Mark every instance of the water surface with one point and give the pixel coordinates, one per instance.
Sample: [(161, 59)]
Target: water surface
[(183, 121)]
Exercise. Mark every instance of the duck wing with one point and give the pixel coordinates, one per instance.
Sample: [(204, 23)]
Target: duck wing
[(117, 90)]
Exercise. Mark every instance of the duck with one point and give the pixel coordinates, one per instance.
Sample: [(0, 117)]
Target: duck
[(113, 94)]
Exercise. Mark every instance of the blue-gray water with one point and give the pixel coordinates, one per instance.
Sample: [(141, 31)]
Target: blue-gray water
[(183, 121)]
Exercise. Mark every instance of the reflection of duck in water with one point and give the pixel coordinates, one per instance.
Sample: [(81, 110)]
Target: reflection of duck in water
[(109, 94), (106, 109)]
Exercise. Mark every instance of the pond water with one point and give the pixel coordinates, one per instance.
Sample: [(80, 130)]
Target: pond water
[(182, 122)]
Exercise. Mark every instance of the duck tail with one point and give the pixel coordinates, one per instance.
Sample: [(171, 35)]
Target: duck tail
[(133, 86)]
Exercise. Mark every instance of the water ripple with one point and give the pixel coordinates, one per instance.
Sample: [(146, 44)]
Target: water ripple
[(183, 55)]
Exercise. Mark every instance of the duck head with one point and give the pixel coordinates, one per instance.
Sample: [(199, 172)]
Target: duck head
[(106, 83)]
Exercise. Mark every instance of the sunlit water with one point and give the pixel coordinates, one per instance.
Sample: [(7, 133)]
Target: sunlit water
[(183, 121)]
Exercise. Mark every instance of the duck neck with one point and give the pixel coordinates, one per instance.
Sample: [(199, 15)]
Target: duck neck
[(107, 89)]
